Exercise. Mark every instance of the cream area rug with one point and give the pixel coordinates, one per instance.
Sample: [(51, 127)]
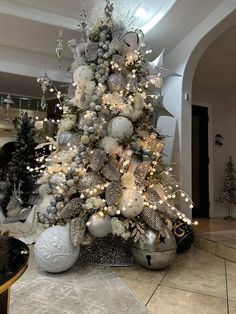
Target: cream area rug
[(82, 290)]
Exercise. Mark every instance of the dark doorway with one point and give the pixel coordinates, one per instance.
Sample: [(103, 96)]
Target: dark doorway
[(200, 162)]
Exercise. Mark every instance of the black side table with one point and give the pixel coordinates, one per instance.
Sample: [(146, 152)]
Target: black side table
[(14, 255)]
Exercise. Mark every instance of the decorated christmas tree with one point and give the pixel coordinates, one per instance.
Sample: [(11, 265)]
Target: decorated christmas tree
[(106, 173), (19, 175), (227, 194)]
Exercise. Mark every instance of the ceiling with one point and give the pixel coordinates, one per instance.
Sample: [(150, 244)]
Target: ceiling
[(217, 67), (29, 29)]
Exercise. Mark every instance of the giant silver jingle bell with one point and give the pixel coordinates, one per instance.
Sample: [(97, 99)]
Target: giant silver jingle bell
[(158, 249)]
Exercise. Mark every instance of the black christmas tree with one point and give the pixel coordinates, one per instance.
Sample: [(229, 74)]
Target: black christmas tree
[(227, 194), (23, 158)]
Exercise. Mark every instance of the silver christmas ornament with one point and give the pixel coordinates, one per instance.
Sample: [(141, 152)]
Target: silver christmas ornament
[(162, 208), (120, 128), (157, 250), (110, 171), (71, 209), (141, 170), (99, 157), (77, 231), (113, 193), (59, 48), (8, 102), (152, 218), (108, 10), (66, 139), (99, 226), (44, 83), (116, 82), (44, 189), (91, 52), (82, 24), (157, 67), (55, 181), (119, 61), (160, 109)]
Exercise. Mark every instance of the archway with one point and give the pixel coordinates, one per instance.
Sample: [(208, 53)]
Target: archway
[(183, 59)]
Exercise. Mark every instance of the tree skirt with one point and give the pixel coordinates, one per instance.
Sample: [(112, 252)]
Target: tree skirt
[(82, 289), (109, 251)]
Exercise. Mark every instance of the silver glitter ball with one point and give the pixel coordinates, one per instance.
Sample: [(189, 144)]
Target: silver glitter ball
[(116, 82), (44, 189), (157, 251), (67, 139), (55, 181)]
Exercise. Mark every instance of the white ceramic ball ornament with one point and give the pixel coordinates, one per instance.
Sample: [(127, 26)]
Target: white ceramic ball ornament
[(120, 128), (99, 226), (83, 73), (130, 203), (54, 251)]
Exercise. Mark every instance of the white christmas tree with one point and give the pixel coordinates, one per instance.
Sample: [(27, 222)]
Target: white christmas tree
[(106, 173)]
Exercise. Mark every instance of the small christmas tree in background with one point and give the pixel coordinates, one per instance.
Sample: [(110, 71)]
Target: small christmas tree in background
[(227, 194), (23, 159)]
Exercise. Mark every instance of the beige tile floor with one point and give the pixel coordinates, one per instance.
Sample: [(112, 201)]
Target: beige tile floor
[(218, 237), (196, 283)]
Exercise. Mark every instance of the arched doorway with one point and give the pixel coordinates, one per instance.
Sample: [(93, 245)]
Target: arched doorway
[(183, 59), (214, 92)]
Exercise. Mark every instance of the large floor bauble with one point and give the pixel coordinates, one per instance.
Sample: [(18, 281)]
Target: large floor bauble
[(157, 250), (54, 251)]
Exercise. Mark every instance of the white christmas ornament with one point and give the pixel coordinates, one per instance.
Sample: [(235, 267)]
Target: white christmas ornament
[(120, 128), (99, 226), (54, 251), (130, 203), (38, 125), (83, 74)]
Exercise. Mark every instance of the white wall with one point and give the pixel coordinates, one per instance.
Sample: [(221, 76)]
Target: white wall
[(183, 59)]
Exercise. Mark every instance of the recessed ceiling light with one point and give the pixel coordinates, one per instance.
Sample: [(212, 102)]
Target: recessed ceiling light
[(141, 12)]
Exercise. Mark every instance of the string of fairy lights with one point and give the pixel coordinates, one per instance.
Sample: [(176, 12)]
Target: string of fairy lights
[(46, 170)]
